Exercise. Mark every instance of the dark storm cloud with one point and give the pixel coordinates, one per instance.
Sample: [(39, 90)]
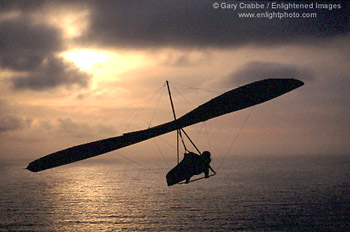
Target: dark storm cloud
[(254, 71), (53, 72), (30, 49), (197, 24), (23, 45), (22, 5)]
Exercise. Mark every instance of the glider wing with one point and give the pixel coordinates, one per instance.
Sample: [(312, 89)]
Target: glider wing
[(234, 100)]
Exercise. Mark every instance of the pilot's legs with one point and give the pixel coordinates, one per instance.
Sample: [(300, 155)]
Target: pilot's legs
[(206, 172)]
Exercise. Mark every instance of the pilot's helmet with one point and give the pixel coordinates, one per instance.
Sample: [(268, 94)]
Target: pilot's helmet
[(206, 155)]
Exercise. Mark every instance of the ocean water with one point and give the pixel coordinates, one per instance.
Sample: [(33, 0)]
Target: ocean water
[(286, 193)]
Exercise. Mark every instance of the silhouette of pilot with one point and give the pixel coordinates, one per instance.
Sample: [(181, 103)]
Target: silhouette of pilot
[(196, 164)]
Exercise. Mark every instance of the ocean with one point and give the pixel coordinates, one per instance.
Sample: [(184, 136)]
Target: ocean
[(260, 193)]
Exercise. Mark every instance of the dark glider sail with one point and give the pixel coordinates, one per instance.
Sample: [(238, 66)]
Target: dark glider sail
[(234, 100)]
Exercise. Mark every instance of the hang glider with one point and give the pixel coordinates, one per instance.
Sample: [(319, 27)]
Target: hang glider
[(231, 101)]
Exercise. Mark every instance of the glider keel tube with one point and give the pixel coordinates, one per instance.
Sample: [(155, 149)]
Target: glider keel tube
[(234, 100)]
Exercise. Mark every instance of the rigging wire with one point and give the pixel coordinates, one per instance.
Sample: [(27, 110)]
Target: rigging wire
[(156, 107), (139, 110), (185, 148), (138, 163), (235, 139), (189, 139), (191, 87), (191, 104), (166, 142), (181, 95), (161, 153), (150, 124), (207, 135), (237, 135), (203, 131)]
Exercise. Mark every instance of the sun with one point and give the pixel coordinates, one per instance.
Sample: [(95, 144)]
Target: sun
[(106, 62), (86, 59)]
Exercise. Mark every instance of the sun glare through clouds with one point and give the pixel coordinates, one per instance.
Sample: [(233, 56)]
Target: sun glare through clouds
[(90, 60), (86, 59)]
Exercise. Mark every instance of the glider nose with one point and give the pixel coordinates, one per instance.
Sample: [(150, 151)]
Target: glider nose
[(298, 83), (31, 168), (286, 85)]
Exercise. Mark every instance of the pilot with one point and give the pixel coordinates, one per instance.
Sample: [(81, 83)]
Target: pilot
[(196, 164)]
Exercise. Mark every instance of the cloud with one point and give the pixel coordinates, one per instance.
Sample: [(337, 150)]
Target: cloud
[(83, 130), (31, 51), (254, 71), (24, 45), (52, 73), (154, 24), (186, 24), (23, 6), (13, 122), (186, 59)]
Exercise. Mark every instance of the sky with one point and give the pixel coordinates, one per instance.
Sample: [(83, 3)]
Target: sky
[(77, 71)]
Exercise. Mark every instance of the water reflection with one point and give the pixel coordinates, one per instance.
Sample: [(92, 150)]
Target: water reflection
[(98, 195), (247, 194)]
